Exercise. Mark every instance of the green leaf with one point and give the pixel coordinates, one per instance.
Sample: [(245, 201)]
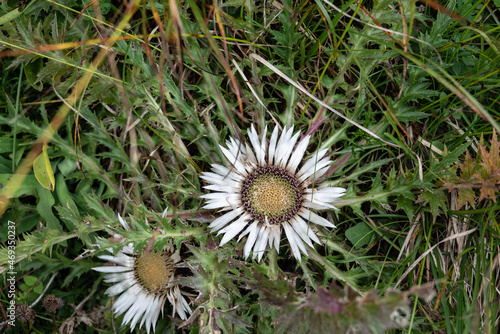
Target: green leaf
[(26, 188), (234, 3), (39, 288), (6, 145), (377, 195), (31, 70), (452, 157), (365, 168), (43, 170), (410, 116), (10, 16), (64, 195), (286, 38), (406, 204), (466, 195), (354, 201), (66, 166), (30, 280), (44, 206), (76, 270), (436, 199), (359, 235)]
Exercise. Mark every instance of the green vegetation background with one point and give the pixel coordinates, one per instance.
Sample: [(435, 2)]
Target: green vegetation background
[(134, 101)]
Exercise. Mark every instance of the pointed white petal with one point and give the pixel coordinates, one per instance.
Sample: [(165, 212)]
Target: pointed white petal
[(136, 309), (299, 241), (313, 203), (251, 157), (263, 145), (113, 278), (274, 236), (121, 260), (222, 188), (120, 287), (140, 309), (261, 243), (127, 299), (301, 232), (226, 173), (283, 145), (219, 169), (181, 306), (151, 316), (254, 139), (316, 171), (311, 162), (234, 145), (235, 160), (327, 194), (272, 145), (172, 300), (155, 313), (115, 269), (278, 239), (316, 175), (305, 227), (184, 304), (252, 231), (128, 249), (222, 200), (292, 239), (124, 223), (237, 149), (214, 205), (149, 312), (164, 213), (222, 221), (308, 215), (217, 196), (219, 179), (234, 228), (284, 154), (179, 309), (298, 155)]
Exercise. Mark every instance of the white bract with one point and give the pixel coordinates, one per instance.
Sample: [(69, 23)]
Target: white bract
[(266, 192), (144, 283)]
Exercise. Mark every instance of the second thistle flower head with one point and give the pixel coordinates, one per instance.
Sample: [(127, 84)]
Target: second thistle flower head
[(144, 283), (265, 192)]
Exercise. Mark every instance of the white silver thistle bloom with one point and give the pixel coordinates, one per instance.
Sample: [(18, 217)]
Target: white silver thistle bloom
[(145, 283), (264, 193)]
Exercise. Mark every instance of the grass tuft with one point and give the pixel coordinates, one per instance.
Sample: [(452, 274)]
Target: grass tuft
[(134, 100)]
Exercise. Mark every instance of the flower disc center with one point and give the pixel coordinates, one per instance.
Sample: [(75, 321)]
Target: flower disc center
[(154, 271), (272, 193)]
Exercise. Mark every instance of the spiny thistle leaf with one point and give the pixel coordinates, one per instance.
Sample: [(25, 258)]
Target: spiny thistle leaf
[(215, 284), (41, 240), (436, 200), (333, 310), (482, 172), (489, 174)]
